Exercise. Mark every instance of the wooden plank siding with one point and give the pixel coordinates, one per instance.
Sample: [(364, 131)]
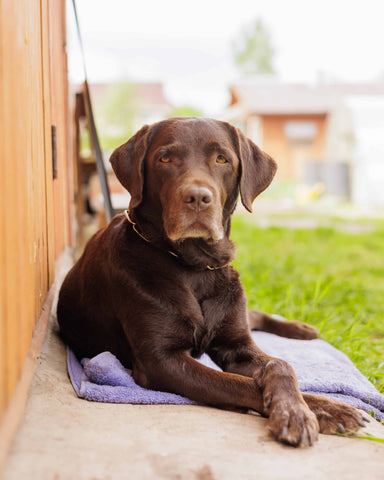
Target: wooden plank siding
[(63, 185), (34, 209)]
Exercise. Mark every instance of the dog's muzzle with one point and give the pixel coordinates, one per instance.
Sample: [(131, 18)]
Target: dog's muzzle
[(196, 212)]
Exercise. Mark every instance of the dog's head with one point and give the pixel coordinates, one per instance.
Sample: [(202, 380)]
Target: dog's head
[(189, 172)]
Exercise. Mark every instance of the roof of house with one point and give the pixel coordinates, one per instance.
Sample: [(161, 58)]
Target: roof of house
[(144, 93), (283, 98)]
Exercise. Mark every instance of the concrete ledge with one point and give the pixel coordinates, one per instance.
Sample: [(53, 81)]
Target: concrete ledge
[(63, 437)]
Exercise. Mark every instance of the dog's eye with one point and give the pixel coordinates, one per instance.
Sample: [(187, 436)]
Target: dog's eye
[(165, 159), (221, 159)]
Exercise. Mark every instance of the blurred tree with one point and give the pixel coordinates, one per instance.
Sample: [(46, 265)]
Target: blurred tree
[(186, 111), (116, 114), (253, 51)]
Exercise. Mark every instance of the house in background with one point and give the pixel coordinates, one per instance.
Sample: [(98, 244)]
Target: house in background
[(121, 109), (356, 133), (304, 128), (147, 101)]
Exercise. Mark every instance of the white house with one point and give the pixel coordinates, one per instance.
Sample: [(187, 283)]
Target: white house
[(356, 135)]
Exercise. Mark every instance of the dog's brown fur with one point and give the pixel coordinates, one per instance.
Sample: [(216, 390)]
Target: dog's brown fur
[(160, 292)]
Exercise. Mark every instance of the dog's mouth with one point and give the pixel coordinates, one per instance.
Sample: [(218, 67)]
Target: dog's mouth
[(211, 233)]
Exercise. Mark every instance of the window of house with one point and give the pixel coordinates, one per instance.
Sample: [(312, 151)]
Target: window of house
[(300, 132)]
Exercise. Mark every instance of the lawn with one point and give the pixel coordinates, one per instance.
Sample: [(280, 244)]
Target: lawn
[(330, 279)]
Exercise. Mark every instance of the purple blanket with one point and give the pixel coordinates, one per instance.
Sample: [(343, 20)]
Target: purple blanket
[(320, 369)]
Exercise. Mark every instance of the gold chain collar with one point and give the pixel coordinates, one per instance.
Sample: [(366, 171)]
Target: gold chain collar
[(126, 213)]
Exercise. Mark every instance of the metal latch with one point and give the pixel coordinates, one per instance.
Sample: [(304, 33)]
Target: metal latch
[(54, 151)]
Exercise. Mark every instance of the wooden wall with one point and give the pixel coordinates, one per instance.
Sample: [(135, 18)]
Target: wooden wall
[(34, 209)]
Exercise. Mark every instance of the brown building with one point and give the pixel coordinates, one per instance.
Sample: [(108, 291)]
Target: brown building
[(290, 121), (147, 101)]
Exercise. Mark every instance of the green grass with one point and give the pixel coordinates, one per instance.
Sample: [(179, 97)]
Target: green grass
[(362, 437), (330, 279)]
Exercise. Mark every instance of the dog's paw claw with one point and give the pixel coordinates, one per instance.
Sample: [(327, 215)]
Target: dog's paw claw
[(334, 416), (361, 422), (340, 428), (284, 433), (294, 425)]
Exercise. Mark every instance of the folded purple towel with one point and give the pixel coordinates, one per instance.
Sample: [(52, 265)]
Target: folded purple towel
[(320, 369)]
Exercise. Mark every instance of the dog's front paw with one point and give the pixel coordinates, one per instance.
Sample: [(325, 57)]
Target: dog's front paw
[(293, 423), (334, 416)]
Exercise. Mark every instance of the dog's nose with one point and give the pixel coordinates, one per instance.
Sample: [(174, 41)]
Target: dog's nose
[(197, 198)]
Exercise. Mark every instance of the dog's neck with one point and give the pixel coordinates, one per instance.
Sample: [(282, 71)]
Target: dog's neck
[(193, 252)]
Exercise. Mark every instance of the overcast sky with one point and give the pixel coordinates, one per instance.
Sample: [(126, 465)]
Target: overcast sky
[(187, 45)]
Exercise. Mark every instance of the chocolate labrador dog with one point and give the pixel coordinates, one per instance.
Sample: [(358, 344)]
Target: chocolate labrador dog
[(156, 287)]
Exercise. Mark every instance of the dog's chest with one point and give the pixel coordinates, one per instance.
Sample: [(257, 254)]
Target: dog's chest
[(203, 335), (205, 326)]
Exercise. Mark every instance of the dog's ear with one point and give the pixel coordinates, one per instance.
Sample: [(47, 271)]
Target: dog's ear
[(127, 163), (257, 169)]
